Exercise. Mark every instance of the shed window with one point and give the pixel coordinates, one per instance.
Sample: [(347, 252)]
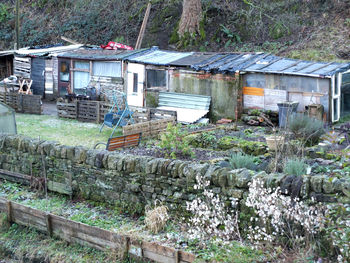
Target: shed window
[(107, 69), (156, 78), (81, 65), (135, 83), (81, 76), (64, 72), (81, 81)]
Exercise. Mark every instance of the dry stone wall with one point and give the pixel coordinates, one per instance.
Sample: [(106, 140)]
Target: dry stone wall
[(112, 177)]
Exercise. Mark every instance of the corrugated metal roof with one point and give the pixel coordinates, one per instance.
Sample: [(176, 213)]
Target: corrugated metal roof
[(7, 53), (101, 54), (267, 63), (193, 59), (52, 51), (159, 57)]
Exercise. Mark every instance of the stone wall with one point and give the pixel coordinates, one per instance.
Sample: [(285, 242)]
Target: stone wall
[(111, 176)]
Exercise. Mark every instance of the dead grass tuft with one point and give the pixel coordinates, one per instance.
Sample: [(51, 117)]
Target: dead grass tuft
[(156, 217)]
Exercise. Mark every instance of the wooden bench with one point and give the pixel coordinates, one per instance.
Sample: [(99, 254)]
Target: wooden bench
[(122, 142)]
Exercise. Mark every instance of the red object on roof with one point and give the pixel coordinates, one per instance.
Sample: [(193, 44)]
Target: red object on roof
[(113, 46)]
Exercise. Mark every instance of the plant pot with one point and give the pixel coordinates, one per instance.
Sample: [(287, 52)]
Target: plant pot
[(274, 142)]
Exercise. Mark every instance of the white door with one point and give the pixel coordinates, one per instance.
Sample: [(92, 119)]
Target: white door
[(336, 91), (135, 84)]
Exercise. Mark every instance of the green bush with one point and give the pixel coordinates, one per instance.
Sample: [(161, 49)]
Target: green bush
[(307, 129), (173, 143), (227, 142), (295, 167), (202, 140), (239, 160)]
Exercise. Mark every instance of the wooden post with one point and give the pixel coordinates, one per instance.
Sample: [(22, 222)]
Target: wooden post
[(9, 212), (98, 119), (49, 225), (143, 27), (70, 185), (44, 171), (177, 256), (127, 247), (76, 109)]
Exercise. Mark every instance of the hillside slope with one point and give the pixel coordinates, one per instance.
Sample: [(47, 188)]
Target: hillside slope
[(307, 29)]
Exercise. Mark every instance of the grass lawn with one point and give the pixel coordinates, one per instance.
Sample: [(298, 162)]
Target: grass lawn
[(64, 131)]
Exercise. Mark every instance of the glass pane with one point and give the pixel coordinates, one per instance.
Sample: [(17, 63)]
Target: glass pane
[(64, 71), (81, 65), (156, 78), (81, 80), (107, 69), (336, 85), (335, 109), (135, 83)]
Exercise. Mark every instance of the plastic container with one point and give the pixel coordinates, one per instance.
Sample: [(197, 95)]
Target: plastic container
[(285, 111)]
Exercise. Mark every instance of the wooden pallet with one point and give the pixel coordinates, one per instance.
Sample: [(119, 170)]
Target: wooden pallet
[(67, 110), (150, 128), (88, 111), (22, 103)]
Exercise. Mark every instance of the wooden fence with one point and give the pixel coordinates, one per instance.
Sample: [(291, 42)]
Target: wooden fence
[(94, 111), (149, 128), (22, 103), (101, 239)]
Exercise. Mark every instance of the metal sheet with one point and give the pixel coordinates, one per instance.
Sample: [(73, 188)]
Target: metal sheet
[(45, 51), (272, 97), (266, 63), (181, 100), (251, 101), (185, 115), (158, 57)]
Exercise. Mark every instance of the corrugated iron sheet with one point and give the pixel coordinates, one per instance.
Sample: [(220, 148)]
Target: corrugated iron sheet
[(193, 59), (46, 51), (267, 63), (189, 107), (159, 57), (182, 100), (101, 54)]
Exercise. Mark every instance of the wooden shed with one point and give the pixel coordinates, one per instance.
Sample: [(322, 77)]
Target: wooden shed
[(98, 68), (6, 64), (41, 66)]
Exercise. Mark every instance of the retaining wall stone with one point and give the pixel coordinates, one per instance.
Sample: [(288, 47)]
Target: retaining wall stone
[(111, 176)]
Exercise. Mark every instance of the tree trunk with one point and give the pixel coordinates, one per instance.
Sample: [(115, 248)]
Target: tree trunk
[(191, 17)]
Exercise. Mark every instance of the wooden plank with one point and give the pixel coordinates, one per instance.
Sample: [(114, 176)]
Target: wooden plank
[(158, 249), (15, 177), (253, 91), (101, 239), (186, 257), (3, 205)]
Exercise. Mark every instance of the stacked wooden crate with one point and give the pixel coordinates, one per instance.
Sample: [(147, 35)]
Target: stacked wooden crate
[(22, 102), (30, 104), (67, 110), (149, 128), (88, 111)]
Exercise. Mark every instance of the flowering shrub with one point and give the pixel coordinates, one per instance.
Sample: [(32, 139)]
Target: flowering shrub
[(211, 219), (173, 143), (281, 218), (338, 230)]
